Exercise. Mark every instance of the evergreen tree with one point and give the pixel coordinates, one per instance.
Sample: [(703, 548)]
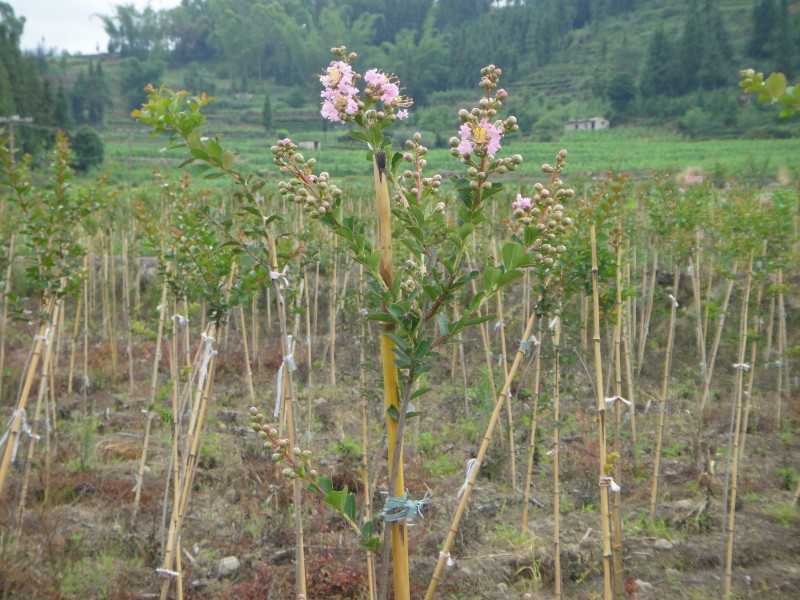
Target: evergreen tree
[(764, 21), (62, 110), (660, 73), (266, 113)]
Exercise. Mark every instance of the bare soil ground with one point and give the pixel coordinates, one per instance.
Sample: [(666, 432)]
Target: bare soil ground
[(80, 542)]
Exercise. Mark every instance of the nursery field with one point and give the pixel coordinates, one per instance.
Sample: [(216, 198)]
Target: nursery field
[(131, 155), (301, 374)]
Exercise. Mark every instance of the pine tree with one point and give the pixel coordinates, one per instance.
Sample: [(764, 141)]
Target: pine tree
[(266, 113), (660, 73)]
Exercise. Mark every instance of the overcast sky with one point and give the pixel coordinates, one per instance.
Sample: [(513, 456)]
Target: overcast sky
[(69, 24)]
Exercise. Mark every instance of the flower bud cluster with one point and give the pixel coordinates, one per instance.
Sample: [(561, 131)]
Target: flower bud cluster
[(544, 211), (299, 460), (481, 133), (411, 179), (315, 192)]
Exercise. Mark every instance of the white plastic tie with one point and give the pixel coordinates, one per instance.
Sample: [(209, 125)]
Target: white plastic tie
[(279, 395), (44, 338), (674, 302), (743, 366), (499, 325), (610, 401), (471, 465), (17, 414), (137, 482), (182, 321), (168, 572), (280, 277), (609, 483), (553, 323), (446, 555)]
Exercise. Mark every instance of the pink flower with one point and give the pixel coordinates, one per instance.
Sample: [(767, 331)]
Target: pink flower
[(285, 142), (338, 92), (402, 113), (390, 93), (522, 203), (375, 77), (482, 136)]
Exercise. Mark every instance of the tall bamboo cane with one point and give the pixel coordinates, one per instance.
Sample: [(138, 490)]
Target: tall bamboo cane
[(737, 422), (532, 438), (556, 435), (15, 427), (662, 401), (399, 529), (444, 555), (4, 322), (601, 418), (291, 411)]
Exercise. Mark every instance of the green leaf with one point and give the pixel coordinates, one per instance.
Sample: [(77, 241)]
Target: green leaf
[(325, 484), (252, 210), (477, 320), (337, 499), (350, 506), (776, 84), (444, 324), (366, 530), (358, 135), (420, 392)]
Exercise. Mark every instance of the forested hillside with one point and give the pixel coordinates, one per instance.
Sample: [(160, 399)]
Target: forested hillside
[(671, 64)]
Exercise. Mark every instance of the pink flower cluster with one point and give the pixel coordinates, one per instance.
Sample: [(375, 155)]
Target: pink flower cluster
[(483, 135), (338, 95)]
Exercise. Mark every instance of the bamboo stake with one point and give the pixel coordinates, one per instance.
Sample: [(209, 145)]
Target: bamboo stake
[(399, 529), (532, 438), (74, 344), (714, 347), (783, 368), (644, 325), (365, 435), (152, 396), (601, 418), (748, 394), (556, 443), (734, 456), (4, 322), (248, 372), (291, 411), (630, 312), (126, 309), (700, 335), (444, 555), (617, 505), (512, 450), (332, 301), (662, 401), (15, 427), (33, 436)]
